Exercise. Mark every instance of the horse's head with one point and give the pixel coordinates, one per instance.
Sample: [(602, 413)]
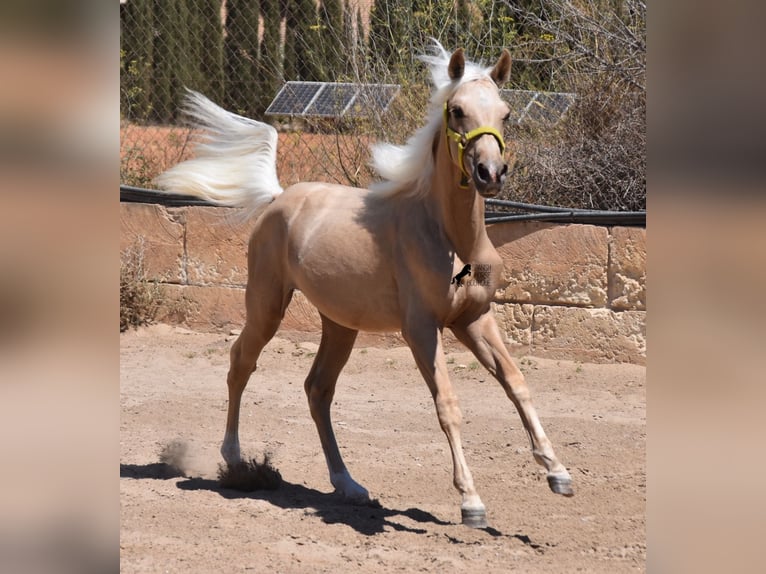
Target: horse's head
[(474, 117)]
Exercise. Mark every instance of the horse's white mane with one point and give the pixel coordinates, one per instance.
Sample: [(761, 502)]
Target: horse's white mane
[(407, 168)]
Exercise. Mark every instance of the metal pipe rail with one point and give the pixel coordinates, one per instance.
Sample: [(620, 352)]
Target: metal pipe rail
[(131, 194)]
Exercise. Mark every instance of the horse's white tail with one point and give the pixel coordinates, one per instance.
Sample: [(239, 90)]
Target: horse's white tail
[(235, 161)]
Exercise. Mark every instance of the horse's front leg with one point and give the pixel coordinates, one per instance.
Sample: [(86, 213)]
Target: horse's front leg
[(483, 338), (425, 340)]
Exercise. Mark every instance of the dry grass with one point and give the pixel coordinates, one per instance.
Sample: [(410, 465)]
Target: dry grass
[(594, 159), (143, 300), (140, 299)]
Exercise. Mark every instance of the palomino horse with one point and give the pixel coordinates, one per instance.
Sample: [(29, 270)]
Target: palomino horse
[(376, 260)]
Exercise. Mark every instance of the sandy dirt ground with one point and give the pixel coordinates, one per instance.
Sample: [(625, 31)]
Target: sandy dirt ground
[(173, 389)]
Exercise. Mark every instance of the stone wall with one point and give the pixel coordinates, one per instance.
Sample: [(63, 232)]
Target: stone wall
[(570, 291), (573, 291)]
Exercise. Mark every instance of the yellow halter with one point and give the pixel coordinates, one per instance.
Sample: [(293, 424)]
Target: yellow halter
[(463, 140)]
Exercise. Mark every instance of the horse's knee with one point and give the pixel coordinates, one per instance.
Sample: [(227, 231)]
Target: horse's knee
[(448, 412), (516, 387), (319, 396), (245, 351)]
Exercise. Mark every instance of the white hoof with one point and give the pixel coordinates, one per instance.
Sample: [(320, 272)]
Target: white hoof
[(230, 450), (349, 489)]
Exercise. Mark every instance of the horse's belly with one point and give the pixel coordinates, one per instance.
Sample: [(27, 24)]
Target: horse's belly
[(354, 301)]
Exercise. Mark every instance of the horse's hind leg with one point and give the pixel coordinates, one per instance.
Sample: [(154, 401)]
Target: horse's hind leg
[(264, 314), (334, 351), (483, 338)]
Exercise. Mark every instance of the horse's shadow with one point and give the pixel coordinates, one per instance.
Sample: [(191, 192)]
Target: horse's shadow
[(329, 507), (155, 470)]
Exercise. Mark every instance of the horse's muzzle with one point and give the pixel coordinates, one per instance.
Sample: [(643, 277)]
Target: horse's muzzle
[(489, 177)]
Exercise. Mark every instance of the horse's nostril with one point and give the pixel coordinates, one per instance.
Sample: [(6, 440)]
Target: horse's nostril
[(482, 172), (503, 171)]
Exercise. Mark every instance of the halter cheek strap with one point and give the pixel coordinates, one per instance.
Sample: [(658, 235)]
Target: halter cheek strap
[(464, 139)]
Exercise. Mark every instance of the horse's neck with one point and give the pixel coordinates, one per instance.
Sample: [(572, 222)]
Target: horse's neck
[(461, 210)]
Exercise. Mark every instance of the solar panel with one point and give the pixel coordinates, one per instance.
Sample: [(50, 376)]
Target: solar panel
[(373, 98), (529, 106), (293, 98), (332, 99)]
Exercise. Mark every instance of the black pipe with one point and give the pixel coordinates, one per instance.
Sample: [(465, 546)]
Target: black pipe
[(533, 206), (132, 194), (594, 217)]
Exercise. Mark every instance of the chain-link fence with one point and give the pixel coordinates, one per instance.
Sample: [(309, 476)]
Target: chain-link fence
[(240, 53)]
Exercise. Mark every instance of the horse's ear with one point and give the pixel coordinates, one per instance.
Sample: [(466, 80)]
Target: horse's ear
[(501, 73), (457, 64)]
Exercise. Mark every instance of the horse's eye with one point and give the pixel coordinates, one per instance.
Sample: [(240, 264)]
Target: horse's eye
[(507, 117), (457, 113)]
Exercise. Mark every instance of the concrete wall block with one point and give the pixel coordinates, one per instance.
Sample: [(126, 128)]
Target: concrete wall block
[(627, 268), (598, 335), (210, 308), (216, 247), (159, 234), (515, 322), (552, 264), (219, 308)]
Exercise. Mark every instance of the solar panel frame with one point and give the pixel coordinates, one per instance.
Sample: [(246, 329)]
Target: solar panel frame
[(548, 107), (529, 106), (518, 100)]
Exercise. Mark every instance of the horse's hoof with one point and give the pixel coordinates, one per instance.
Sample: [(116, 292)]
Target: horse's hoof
[(474, 517), (561, 485), (358, 499)]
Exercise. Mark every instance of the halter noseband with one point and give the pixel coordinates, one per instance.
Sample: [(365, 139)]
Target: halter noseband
[(464, 139)]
